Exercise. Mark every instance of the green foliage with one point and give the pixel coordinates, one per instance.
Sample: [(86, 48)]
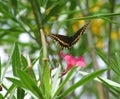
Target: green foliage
[(113, 64), (35, 72), (1, 96), (65, 80), (20, 93), (46, 82), (24, 62), (16, 59), (0, 70), (84, 80), (26, 82)]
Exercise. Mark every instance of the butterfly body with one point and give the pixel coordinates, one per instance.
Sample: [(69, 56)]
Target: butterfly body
[(60, 39), (66, 41)]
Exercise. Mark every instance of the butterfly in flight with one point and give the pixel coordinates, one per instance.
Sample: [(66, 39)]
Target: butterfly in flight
[(66, 41)]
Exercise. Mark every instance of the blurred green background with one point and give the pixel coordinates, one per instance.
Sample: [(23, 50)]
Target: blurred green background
[(21, 21)]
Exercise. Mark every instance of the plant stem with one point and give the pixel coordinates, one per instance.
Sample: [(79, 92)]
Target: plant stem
[(41, 41), (37, 14), (93, 55), (44, 46), (112, 4)]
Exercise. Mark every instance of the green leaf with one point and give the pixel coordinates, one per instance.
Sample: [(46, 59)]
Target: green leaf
[(111, 21), (1, 96), (14, 4), (9, 90), (108, 84), (40, 60), (15, 59), (47, 81), (55, 80), (117, 57), (115, 67), (16, 82), (84, 80), (103, 57), (24, 61), (95, 17), (113, 64), (0, 71), (65, 80), (35, 60), (7, 66), (112, 83), (52, 9), (29, 83), (20, 93)]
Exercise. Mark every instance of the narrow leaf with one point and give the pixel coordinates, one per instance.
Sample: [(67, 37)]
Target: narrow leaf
[(84, 80), (24, 61), (15, 59), (55, 81), (0, 71), (15, 81), (116, 90), (112, 64), (9, 90), (29, 83), (47, 81), (1, 96), (112, 83), (20, 93), (65, 80)]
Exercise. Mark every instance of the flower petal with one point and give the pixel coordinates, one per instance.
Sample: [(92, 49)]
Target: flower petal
[(80, 63), (72, 61), (69, 67)]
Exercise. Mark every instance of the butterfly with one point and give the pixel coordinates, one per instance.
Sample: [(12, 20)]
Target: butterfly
[(66, 41)]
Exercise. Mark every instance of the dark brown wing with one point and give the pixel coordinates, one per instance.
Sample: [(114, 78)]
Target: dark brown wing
[(74, 39), (67, 42), (63, 41)]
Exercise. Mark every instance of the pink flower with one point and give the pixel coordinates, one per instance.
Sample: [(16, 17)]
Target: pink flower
[(72, 61)]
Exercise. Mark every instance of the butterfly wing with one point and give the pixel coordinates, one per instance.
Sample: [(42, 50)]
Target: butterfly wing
[(63, 41), (67, 42), (76, 36)]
